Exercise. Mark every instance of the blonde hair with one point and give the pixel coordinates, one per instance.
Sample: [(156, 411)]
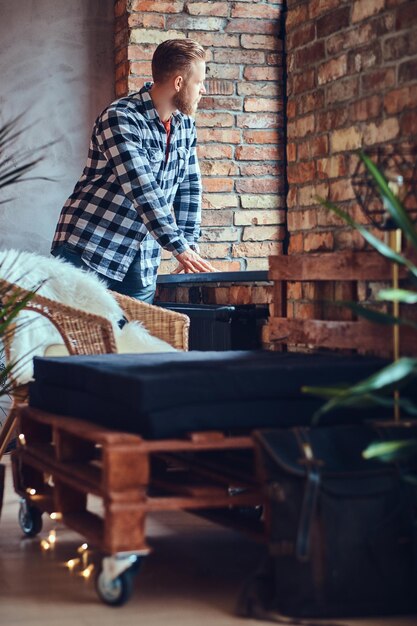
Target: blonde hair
[(175, 56)]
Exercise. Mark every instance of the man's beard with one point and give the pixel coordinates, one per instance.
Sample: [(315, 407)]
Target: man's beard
[(183, 104)]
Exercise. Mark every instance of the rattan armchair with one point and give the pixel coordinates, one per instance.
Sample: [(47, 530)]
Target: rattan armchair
[(85, 333)]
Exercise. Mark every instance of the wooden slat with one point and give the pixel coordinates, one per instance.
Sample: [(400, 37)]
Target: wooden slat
[(349, 265), (200, 502), (181, 445), (103, 436), (184, 486), (85, 478), (340, 334)]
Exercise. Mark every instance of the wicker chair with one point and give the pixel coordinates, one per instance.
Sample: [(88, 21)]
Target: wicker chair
[(85, 333)]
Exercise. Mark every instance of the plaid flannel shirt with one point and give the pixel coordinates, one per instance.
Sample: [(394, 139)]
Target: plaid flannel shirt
[(133, 197)]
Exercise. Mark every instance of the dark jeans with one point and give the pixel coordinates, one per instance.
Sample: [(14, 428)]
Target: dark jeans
[(131, 285)]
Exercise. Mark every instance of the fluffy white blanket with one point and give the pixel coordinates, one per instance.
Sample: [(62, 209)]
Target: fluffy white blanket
[(62, 282)]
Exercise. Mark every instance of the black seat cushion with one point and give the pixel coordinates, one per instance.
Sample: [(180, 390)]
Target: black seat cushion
[(169, 394)]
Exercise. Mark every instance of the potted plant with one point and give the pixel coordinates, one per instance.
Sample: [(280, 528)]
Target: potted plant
[(342, 526), (14, 167), (384, 387)]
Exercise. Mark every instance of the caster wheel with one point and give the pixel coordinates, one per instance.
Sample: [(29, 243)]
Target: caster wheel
[(118, 591), (30, 520)]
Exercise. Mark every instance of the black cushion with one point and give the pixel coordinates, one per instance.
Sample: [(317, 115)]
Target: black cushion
[(169, 394)]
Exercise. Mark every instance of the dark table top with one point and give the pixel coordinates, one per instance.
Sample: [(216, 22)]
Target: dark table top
[(213, 277)]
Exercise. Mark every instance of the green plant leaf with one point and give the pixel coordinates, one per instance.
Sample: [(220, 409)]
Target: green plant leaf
[(364, 401), (12, 308), (376, 316), (325, 392), (376, 243), (404, 403), (392, 203), (390, 377), (398, 295), (388, 451), (13, 168)]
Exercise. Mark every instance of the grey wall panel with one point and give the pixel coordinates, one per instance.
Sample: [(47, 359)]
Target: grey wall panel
[(56, 67)]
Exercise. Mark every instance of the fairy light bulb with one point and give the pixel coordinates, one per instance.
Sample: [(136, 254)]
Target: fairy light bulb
[(31, 491), (56, 516), (86, 573), (83, 550), (22, 439), (72, 563), (45, 545), (52, 538)]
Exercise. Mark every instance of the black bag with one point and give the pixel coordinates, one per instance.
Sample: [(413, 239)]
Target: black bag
[(341, 529)]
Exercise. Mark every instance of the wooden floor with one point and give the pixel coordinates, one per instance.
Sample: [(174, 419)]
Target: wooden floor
[(192, 578)]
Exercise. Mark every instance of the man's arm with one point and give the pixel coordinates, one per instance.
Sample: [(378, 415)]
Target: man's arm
[(121, 142), (187, 202), (187, 209)]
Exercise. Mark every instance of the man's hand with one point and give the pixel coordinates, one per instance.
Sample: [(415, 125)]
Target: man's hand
[(191, 263)]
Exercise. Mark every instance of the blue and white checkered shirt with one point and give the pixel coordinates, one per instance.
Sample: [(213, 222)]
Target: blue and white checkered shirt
[(122, 204)]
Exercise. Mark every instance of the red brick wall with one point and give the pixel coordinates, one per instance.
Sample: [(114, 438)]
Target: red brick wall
[(240, 121), (352, 82)]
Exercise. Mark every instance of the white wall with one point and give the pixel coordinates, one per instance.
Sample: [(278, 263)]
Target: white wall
[(56, 67)]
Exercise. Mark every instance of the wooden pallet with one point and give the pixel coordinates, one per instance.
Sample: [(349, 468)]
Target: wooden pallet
[(323, 272), (60, 462)]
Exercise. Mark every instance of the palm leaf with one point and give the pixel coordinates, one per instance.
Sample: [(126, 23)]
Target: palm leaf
[(11, 309), (364, 392), (398, 295), (13, 169), (376, 243), (365, 401), (391, 202), (376, 316), (389, 451), (387, 376), (404, 403)]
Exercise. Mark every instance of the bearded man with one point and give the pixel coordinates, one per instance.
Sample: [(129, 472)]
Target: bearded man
[(142, 163)]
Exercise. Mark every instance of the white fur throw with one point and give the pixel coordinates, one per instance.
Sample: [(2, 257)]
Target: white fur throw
[(62, 282)]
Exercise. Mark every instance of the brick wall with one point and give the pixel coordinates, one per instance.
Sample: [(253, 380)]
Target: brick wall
[(240, 122), (352, 82)]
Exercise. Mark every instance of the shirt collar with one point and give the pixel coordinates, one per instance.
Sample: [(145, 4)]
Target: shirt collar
[(149, 109)]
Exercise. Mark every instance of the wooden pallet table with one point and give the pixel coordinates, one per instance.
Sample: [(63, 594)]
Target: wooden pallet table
[(60, 462)]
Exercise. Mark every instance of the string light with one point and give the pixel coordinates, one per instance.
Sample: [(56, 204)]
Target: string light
[(22, 439), (83, 550), (56, 516), (50, 481), (52, 538), (86, 573), (83, 547), (45, 545), (72, 563), (31, 491), (82, 561)]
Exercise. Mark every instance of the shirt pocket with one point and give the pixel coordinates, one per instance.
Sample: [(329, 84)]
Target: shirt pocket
[(155, 159), (182, 163)]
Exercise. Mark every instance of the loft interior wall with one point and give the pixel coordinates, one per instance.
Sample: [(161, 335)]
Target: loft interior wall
[(56, 68)]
